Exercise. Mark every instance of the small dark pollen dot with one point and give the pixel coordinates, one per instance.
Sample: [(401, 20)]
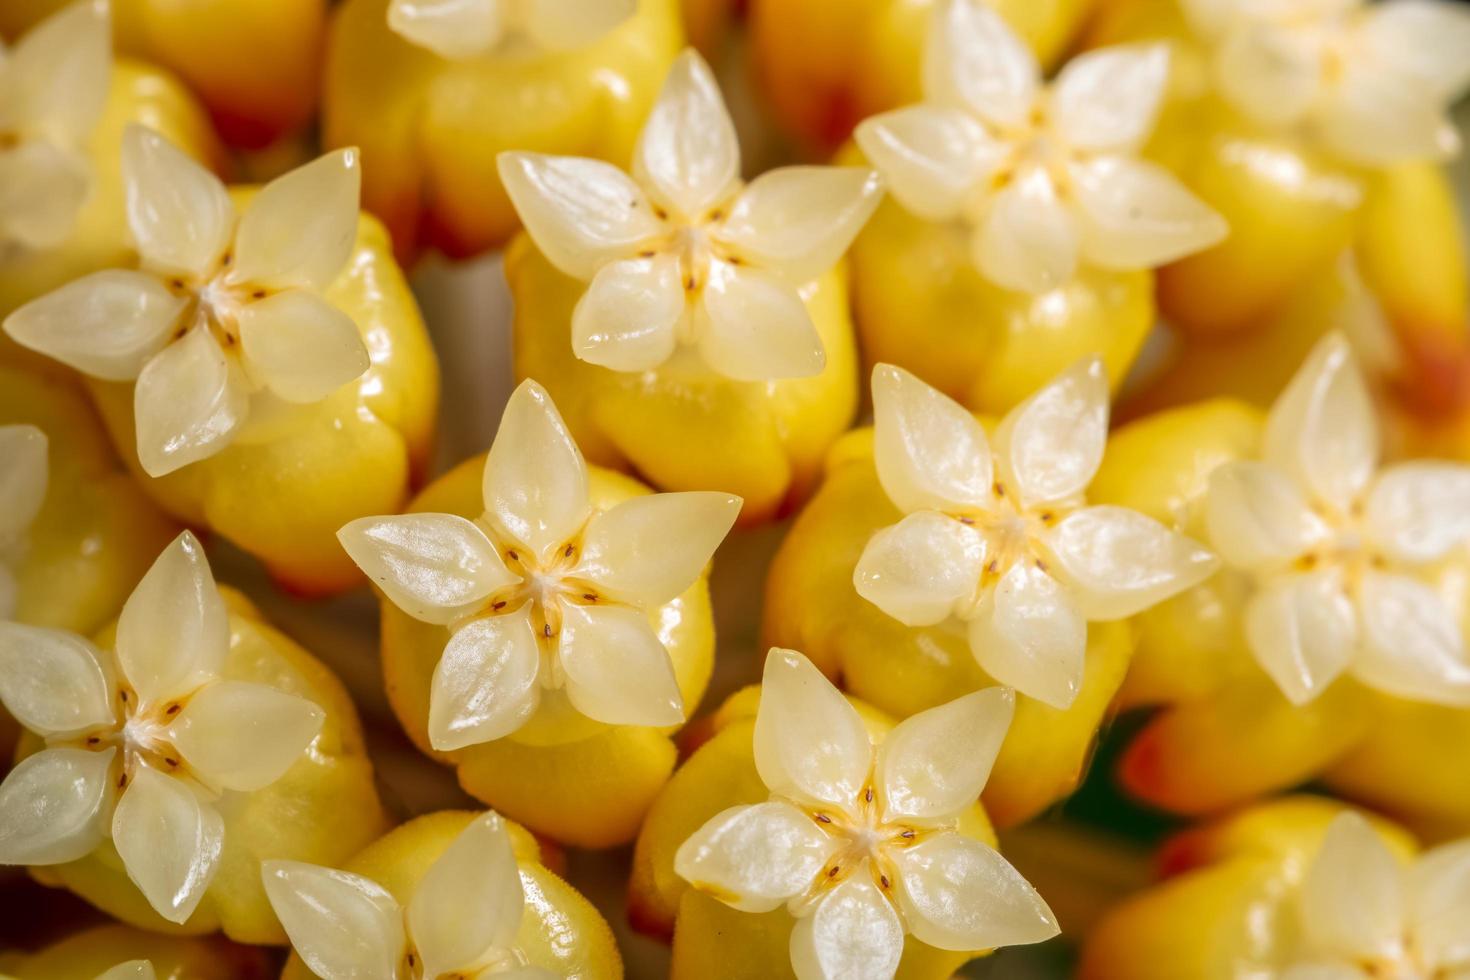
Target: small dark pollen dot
[(907, 835), (823, 818), (499, 605), (172, 762), (93, 739), (546, 630), (993, 566), (832, 871), (883, 880), (258, 294), (868, 795), (513, 556), (568, 552), (173, 709), (122, 780), (589, 597)]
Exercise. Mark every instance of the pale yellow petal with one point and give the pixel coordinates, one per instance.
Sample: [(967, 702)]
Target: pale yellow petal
[(52, 805), (1272, 75), (1419, 511), (300, 229), (60, 71), (131, 970), (754, 858), (958, 893), (1303, 632), (453, 29), (1050, 446), (24, 475), (932, 157), (179, 213), (188, 404), (1028, 239), (469, 900), (565, 25), (1257, 517), (484, 685), (617, 671), (754, 327), (342, 924), (1029, 635), (649, 549), (688, 158), (1378, 118), (1107, 99), (931, 453), (1137, 215), (810, 743), (1424, 39), (921, 570), (853, 934), (1438, 896), (42, 190), (935, 763), (174, 632), (243, 736), (1412, 646), (169, 840), (52, 681), (1351, 898), (973, 59), (301, 346), (535, 483), (627, 319)]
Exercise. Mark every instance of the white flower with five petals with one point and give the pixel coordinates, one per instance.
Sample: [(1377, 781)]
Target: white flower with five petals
[(1046, 177), (859, 841), (683, 252), (459, 29), (461, 921), (53, 85), (544, 593), (998, 538), (1333, 544), (220, 311), (23, 480), (140, 743), (1370, 82), (1364, 915)]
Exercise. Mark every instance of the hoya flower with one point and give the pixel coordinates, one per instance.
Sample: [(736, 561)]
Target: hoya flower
[(1333, 544), (459, 29), (999, 539), (142, 741), (53, 85), (220, 313), (1364, 915), (1371, 82), (543, 592), (859, 841), (461, 921), (1046, 177), (683, 253), (23, 479)]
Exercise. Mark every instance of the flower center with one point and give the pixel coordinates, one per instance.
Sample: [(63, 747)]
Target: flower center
[(1345, 546), (697, 249), (1011, 533), (140, 739), (494, 960), (866, 843)]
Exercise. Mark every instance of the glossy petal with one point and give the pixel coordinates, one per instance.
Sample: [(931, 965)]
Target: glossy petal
[(1030, 636), (617, 671), (935, 763), (809, 742), (1351, 899), (453, 29), (957, 893), (179, 213), (23, 478), (1418, 511), (688, 158), (42, 189), (60, 71), (754, 858), (1303, 632), (169, 841), (484, 685), (1377, 117), (535, 484), (51, 806), (1257, 517), (627, 318), (342, 924), (107, 324), (1423, 39), (1050, 446), (974, 59), (1137, 215), (435, 567), (564, 25), (131, 970), (931, 453), (243, 736), (933, 158), (1271, 75), (649, 549), (753, 327), (1411, 644), (1029, 239), (1438, 898), (921, 570), (53, 682), (854, 934), (301, 346), (300, 229), (188, 404), (174, 631), (1107, 99), (469, 900)]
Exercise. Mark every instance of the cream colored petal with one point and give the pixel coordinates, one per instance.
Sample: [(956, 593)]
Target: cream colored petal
[(617, 671), (688, 158), (300, 229), (169, 841), (648, 550), (243, 736), (179, 213), (754, 858), (469, 900), (1029, 635), (931, 453), (974, 59), (753, 327), (131, 970), (52, 681), (582, 213), (1050, 446), (1411, 644), (23, 478), (60, 71), (1438, 899), (535, 484), (342, 924), (627, 318), (51, 806), (564, 25), (301, 346), (1137, 215), (853, 934), (921, 570), (452, 29), (809, 743), (1377, 118), (957, 893), (1351, 899), (796, 222), (174, 631), (107, 324), (1272, 75), (435, 567), (1029, 239), (1418, 511), (935, 763), (484, 685), (42, 189), (1322, 429), (188, 404), (1108, 99), (932, 157), (1257, 517), (1423, 39), (1303, 632)]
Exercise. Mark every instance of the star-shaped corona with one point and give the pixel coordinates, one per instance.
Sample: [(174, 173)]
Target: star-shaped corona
[(23, 479), (998, 538), (460, 29), (858, 840), (141, 741), (542, 593), (683, 255)]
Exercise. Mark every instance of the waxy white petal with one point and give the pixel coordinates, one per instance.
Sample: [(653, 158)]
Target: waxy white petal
[(617, 670), (973, 59), (1050, 446), (1137, 215), (935, 763), (484, 685), (564, 25), (1438, 899), (535, 484), (853, 934), (469, 900), (174, 631), (1411, 645), (1107, 99), (1271, 75), (1028, 239), (754, 327), (23, 478), (59, 71), (1029, 635), (688, 157), (169, 841), (1377, 118), (809, 742), (243, 736), (454, 29), (628, 317), (301, 346), (754, 858), (648, 550), (1423, 39), (42, 188), (931, 453), (435, 567), (300, 229), (188, 404), (1257, 517), (932, 158), (51, 806), (1418, 511), (1303, 632), (342, 924), (52, 681), (179, 213), (131, 970), (1351, 898), (921, 570), (958, 893)]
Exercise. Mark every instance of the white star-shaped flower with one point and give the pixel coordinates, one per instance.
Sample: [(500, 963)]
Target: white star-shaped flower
[(1370, 82), (459, 29), (141, 742), (1001, 542), (23, 480), (1333, 544), (220, 311), (53, 85), (859, 841), (683, 253), (543, 592), (1364, 915), (461, 921), (1046, 176)]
